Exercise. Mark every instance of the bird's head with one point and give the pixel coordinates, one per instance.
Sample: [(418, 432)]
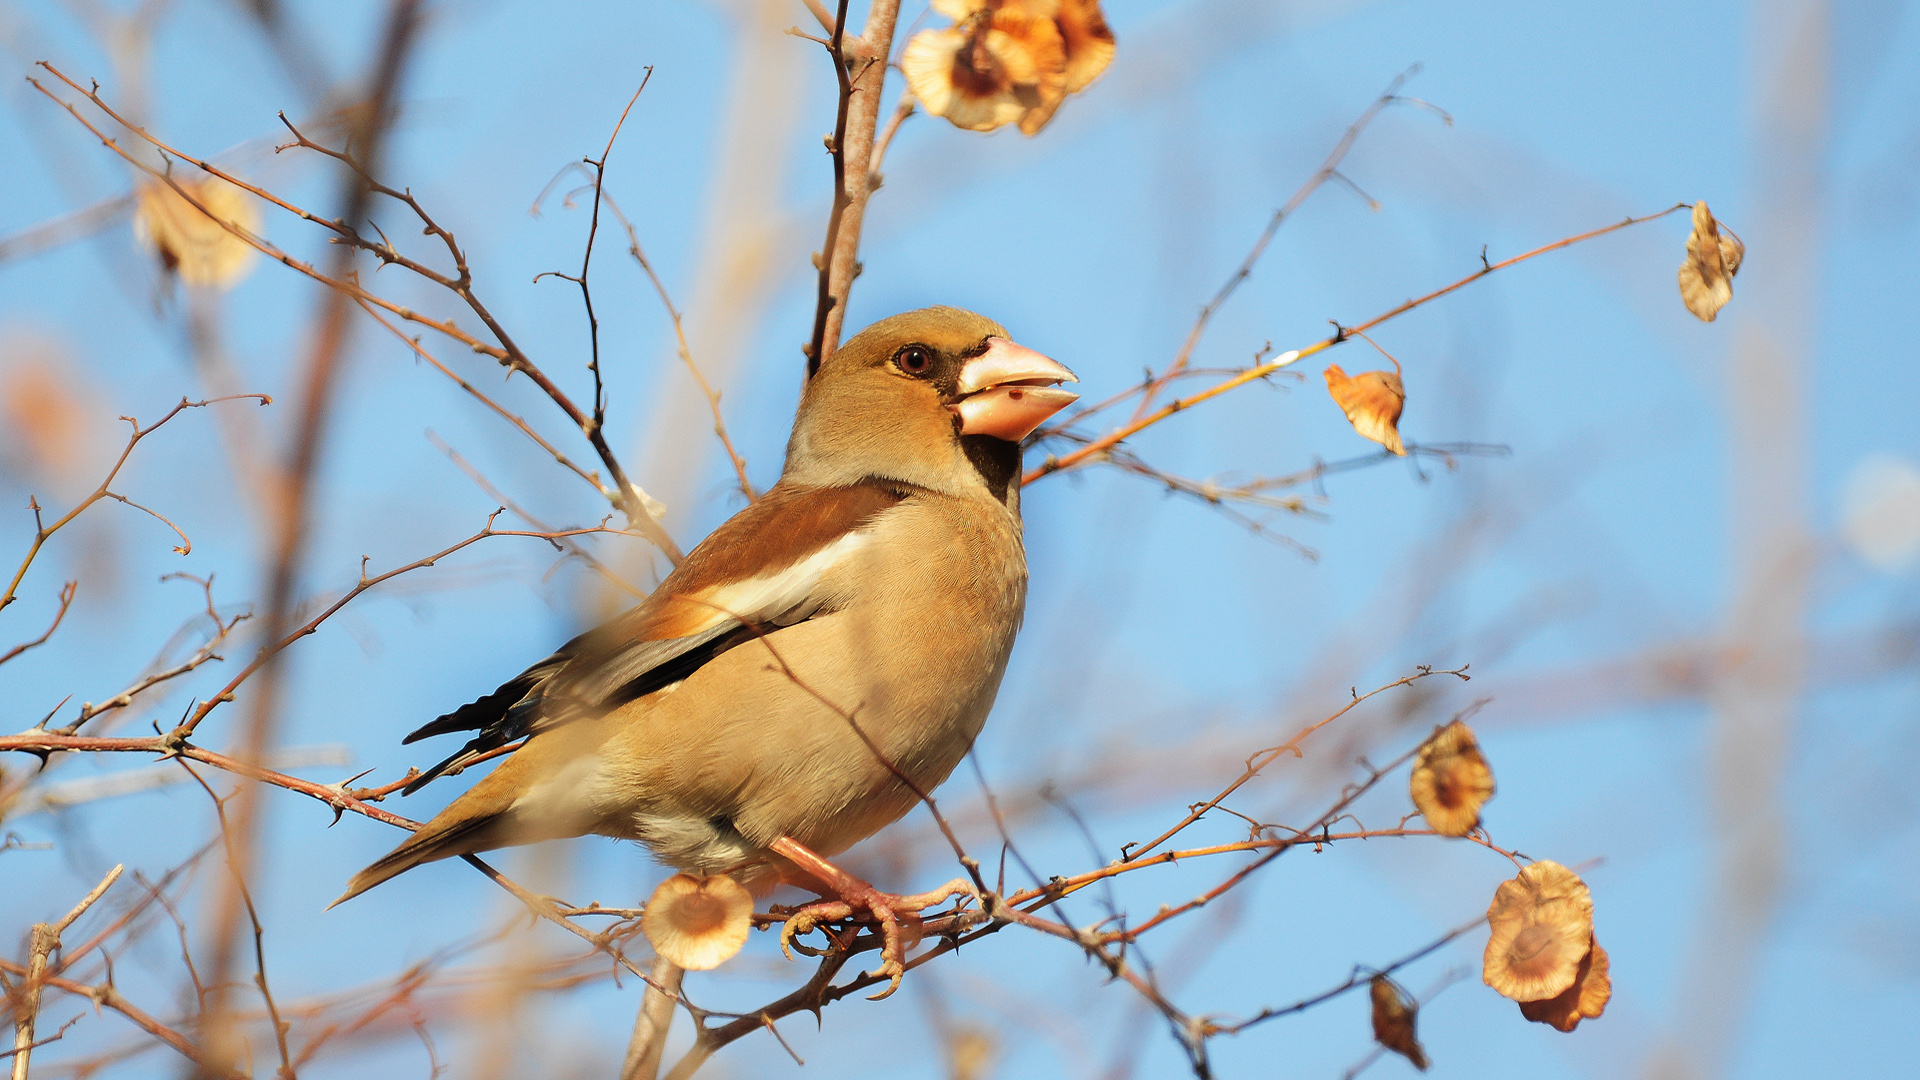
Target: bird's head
[(938, 397)]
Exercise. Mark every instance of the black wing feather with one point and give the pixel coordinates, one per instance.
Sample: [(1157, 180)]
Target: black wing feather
[(543, 697)]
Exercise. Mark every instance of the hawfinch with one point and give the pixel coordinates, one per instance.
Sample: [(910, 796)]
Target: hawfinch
[(749, 717)]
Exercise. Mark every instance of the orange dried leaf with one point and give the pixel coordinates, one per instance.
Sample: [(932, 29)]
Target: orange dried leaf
[(1372, 401), (1713, 257), (190, 243), (1586, 999), (1394, 1013), (1542, 925), (698, 923), (1451, 780)]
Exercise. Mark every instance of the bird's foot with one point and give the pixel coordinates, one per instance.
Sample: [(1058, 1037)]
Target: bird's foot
[(898, 917)]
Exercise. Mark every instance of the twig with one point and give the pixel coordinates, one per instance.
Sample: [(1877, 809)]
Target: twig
[(1329, 169), (273, 648), (43, 941), (286, 1070), (958, 928), (505, 351), (852, 151), (1359, 978), (66, 601), (686, 354), (43, 531), (586, 262), (53, 1038), (652, 1023), (825, 17), (108, 997), (1096, 448), (566, 544), (1261, 759), (168, 746), (206, 653), (517, 421), (900, 113), (545, 909)]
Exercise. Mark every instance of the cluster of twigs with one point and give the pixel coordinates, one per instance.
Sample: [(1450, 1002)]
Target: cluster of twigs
[(211, 1040)]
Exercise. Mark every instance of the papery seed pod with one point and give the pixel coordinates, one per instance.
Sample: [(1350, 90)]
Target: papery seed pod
[(990, 70), (1451, 780), (1088, 40), (1394, 1013), (698, 923), (1007, 60), (1088, 49), (1586, 999), (1713, 257), (190, 243), (1372, 401), (1542, 925)]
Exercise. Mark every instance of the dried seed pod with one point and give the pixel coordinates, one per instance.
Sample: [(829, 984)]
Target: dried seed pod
[(190, 243), (1542, 925), (1372, 401), (1586, 999), (1089, 42), (990, 70), (1007, 60), (698, 923), (1713, 257), (1451, 780), (1394, 1013), (1088, 49)]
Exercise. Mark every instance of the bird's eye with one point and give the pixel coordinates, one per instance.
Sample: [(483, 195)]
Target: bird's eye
[(915, 360)]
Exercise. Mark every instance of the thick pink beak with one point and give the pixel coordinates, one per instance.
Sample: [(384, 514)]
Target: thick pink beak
[(1009, 390)]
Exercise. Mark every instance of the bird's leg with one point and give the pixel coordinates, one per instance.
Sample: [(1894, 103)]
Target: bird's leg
[(897, 915)]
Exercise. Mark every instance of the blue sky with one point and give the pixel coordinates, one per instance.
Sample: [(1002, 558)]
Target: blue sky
[(1163, 641)]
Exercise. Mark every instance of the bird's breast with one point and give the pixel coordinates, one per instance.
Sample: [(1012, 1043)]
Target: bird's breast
[(800, 733)]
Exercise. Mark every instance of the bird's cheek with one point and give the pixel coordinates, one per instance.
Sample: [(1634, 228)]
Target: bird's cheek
[(1010, 412)]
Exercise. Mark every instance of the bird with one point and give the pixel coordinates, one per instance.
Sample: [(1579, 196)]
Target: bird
[(814, 667)]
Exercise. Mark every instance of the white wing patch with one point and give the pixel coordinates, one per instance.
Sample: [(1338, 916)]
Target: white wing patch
[(786, 595)]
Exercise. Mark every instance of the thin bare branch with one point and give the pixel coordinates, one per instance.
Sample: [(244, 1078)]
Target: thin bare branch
[(44, 941), (1329, 170), (686, 354), (1263, 758), (43, 531), (273, 648), (66, 601), (505, 351), (1096, 449), (861, 81)]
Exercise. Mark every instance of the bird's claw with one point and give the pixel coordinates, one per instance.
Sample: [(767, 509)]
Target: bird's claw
[(897, 916), (804, 919)]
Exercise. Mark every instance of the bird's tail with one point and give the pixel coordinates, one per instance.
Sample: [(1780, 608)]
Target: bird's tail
[(434, 841)]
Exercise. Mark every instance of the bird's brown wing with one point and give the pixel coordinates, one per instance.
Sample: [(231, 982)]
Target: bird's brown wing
[(758, 572)]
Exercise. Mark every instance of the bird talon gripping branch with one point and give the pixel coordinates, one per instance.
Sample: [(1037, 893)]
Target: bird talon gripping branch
[(804, 920)]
